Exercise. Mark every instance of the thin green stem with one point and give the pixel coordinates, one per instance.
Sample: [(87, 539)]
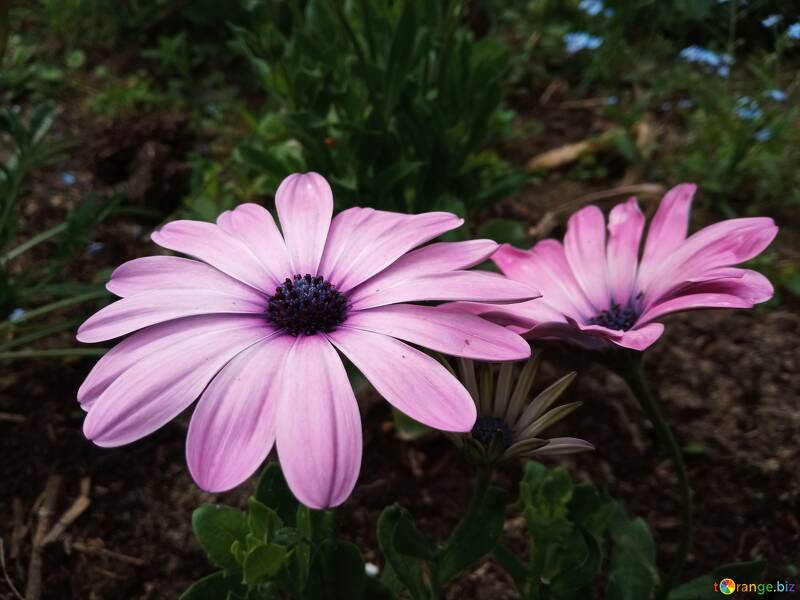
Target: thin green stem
[(52, 353), (34, 241), (633, 374), (37, 312)]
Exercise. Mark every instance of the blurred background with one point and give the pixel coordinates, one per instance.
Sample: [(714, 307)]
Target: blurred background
[(117, 115)]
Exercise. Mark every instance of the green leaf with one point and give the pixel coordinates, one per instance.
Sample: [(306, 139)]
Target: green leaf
[(273, 492), (591, 509), (217, 527), (214, 587), (406, 568), (408, 429), (742, 571), (582, 552), (262, 520), (545, 494), (401, 55), (702, 588), (512, 565), (375, 590), (264, 562), (503, 231), (476, 537), (347, 568), (632, 573)]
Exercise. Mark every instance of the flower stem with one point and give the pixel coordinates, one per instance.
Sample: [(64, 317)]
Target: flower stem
[(632, 372)]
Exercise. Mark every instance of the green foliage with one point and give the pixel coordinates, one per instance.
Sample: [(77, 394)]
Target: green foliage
[(278, 547), (392, 101)]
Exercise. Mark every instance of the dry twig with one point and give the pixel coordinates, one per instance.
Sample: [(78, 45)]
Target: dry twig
[(10, 583), (33, 590), (80, 504)]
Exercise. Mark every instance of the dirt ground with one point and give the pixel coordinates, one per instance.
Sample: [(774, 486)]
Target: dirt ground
[(728, 382)]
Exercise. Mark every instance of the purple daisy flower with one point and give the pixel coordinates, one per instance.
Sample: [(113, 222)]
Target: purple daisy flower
[(252, 328)]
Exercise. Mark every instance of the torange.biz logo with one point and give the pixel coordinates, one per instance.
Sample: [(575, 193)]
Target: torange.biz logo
[(728, 586)]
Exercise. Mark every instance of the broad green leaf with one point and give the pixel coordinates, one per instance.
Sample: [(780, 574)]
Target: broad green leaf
[(743, 571), (632, 572), (262, 520), (701, 588), (263, 563), (512, 565), (272, 491), (401, 55), (406, 568), (347, 569), (218, 586), (217, 527), (580, 562), (476, 537), (591, 509)]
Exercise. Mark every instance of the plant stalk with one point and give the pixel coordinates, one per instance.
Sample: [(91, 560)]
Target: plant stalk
[(633, 374)]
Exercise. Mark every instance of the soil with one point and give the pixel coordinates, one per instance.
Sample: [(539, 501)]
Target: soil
[(728, 383)]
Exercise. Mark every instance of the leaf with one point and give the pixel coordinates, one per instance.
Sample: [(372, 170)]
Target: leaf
[(582, 551), (476, 537), (512, 565), (217, 527), (406, 568), (347, 567), (272, 491), (702, 588), (214, 587), (632, 573), (545, 494), (742, 571), (262, 521), (408, 429), (264, 562), (375, 590), (401, 55), (503, 231)]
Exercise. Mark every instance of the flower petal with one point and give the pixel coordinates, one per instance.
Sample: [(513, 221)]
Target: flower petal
[(233, 426), (363, 241), (155, 389), (213, 245), (694, 302), (253, 224), (141, 310), (454, 285), (428, 260), (585, 248), (155, 340), (155, 273), (545, 265), (305, 206), (562, 445), (409, 380), (319, 427), (640, 338), (669, 225), (722, 244), (625, 224), (446, 330)]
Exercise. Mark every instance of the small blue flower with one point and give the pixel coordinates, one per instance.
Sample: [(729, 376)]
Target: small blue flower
[(748, 109), (794, 31), (17, 314), (612, 100), (591, 7), (763, 135), (95, 248), (685, 103), (580, 40), (771, 21), (718, 61), (68, 178), (777, 95)]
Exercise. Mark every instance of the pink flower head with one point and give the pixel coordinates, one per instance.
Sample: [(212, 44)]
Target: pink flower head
[(253, 326), (598, 293)]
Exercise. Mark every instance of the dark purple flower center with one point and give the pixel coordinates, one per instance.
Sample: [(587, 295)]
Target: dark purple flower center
[(486, 427), (306, 304), (616, 317)]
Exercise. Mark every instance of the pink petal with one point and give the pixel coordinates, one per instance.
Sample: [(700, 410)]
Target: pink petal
[(156, 340), (693, 302), (213, 245), (722, 244), (640, 338), (233, 426), (319, 427), (148, 308), (669, 225), (254, 225), (520, 315), (363, 241), (155, 273), (625, 224), (585, 248), (155, 389), (454, 285), (428, 260), (409, 380), (562, 445), (545, 265), (305, 206), (445, 330)]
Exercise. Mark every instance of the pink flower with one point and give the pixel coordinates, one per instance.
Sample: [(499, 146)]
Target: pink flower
[(596, 293), (253, 331)]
